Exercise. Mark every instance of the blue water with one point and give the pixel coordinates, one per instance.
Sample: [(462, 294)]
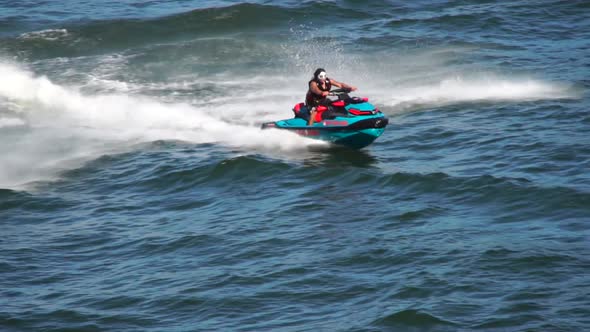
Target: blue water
[(137, 192)]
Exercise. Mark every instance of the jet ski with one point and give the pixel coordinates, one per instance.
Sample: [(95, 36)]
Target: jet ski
[(345, 121)]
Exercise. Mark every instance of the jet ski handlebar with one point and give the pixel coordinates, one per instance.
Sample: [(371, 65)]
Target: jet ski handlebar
[(340, 93), (337, 92)]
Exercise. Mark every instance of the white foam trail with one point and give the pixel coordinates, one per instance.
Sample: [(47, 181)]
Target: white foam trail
[(72, 127), (135, 115), (435, 77), (458, 90), (48, 34), (11, 122)]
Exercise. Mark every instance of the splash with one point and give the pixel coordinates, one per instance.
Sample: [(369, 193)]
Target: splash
[(68, 128)]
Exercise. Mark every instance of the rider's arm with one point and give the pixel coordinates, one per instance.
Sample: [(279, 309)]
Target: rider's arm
[(342, 85)]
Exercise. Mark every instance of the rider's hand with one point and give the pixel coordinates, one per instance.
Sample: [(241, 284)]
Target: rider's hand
[(325, 93), (353, 88)]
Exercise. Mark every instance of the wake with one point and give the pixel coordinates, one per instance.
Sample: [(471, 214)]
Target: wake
[(459, 90), (62, 128)]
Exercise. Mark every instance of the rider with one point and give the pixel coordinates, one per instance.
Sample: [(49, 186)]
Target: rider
[(319, 88)]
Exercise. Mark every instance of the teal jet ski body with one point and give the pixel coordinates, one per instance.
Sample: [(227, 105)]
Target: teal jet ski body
[(351, 122)]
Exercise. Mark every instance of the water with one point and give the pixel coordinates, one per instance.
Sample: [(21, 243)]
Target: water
[(137, 192)]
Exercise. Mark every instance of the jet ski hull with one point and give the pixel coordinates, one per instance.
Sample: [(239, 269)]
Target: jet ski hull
[(351, 122), (353, 132)]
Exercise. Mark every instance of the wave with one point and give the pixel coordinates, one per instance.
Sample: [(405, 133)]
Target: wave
[(116, 34), (372, 19), (447, 20), (97, 37), (487, 189), (220, 173), (214, 173), (410, 319)]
